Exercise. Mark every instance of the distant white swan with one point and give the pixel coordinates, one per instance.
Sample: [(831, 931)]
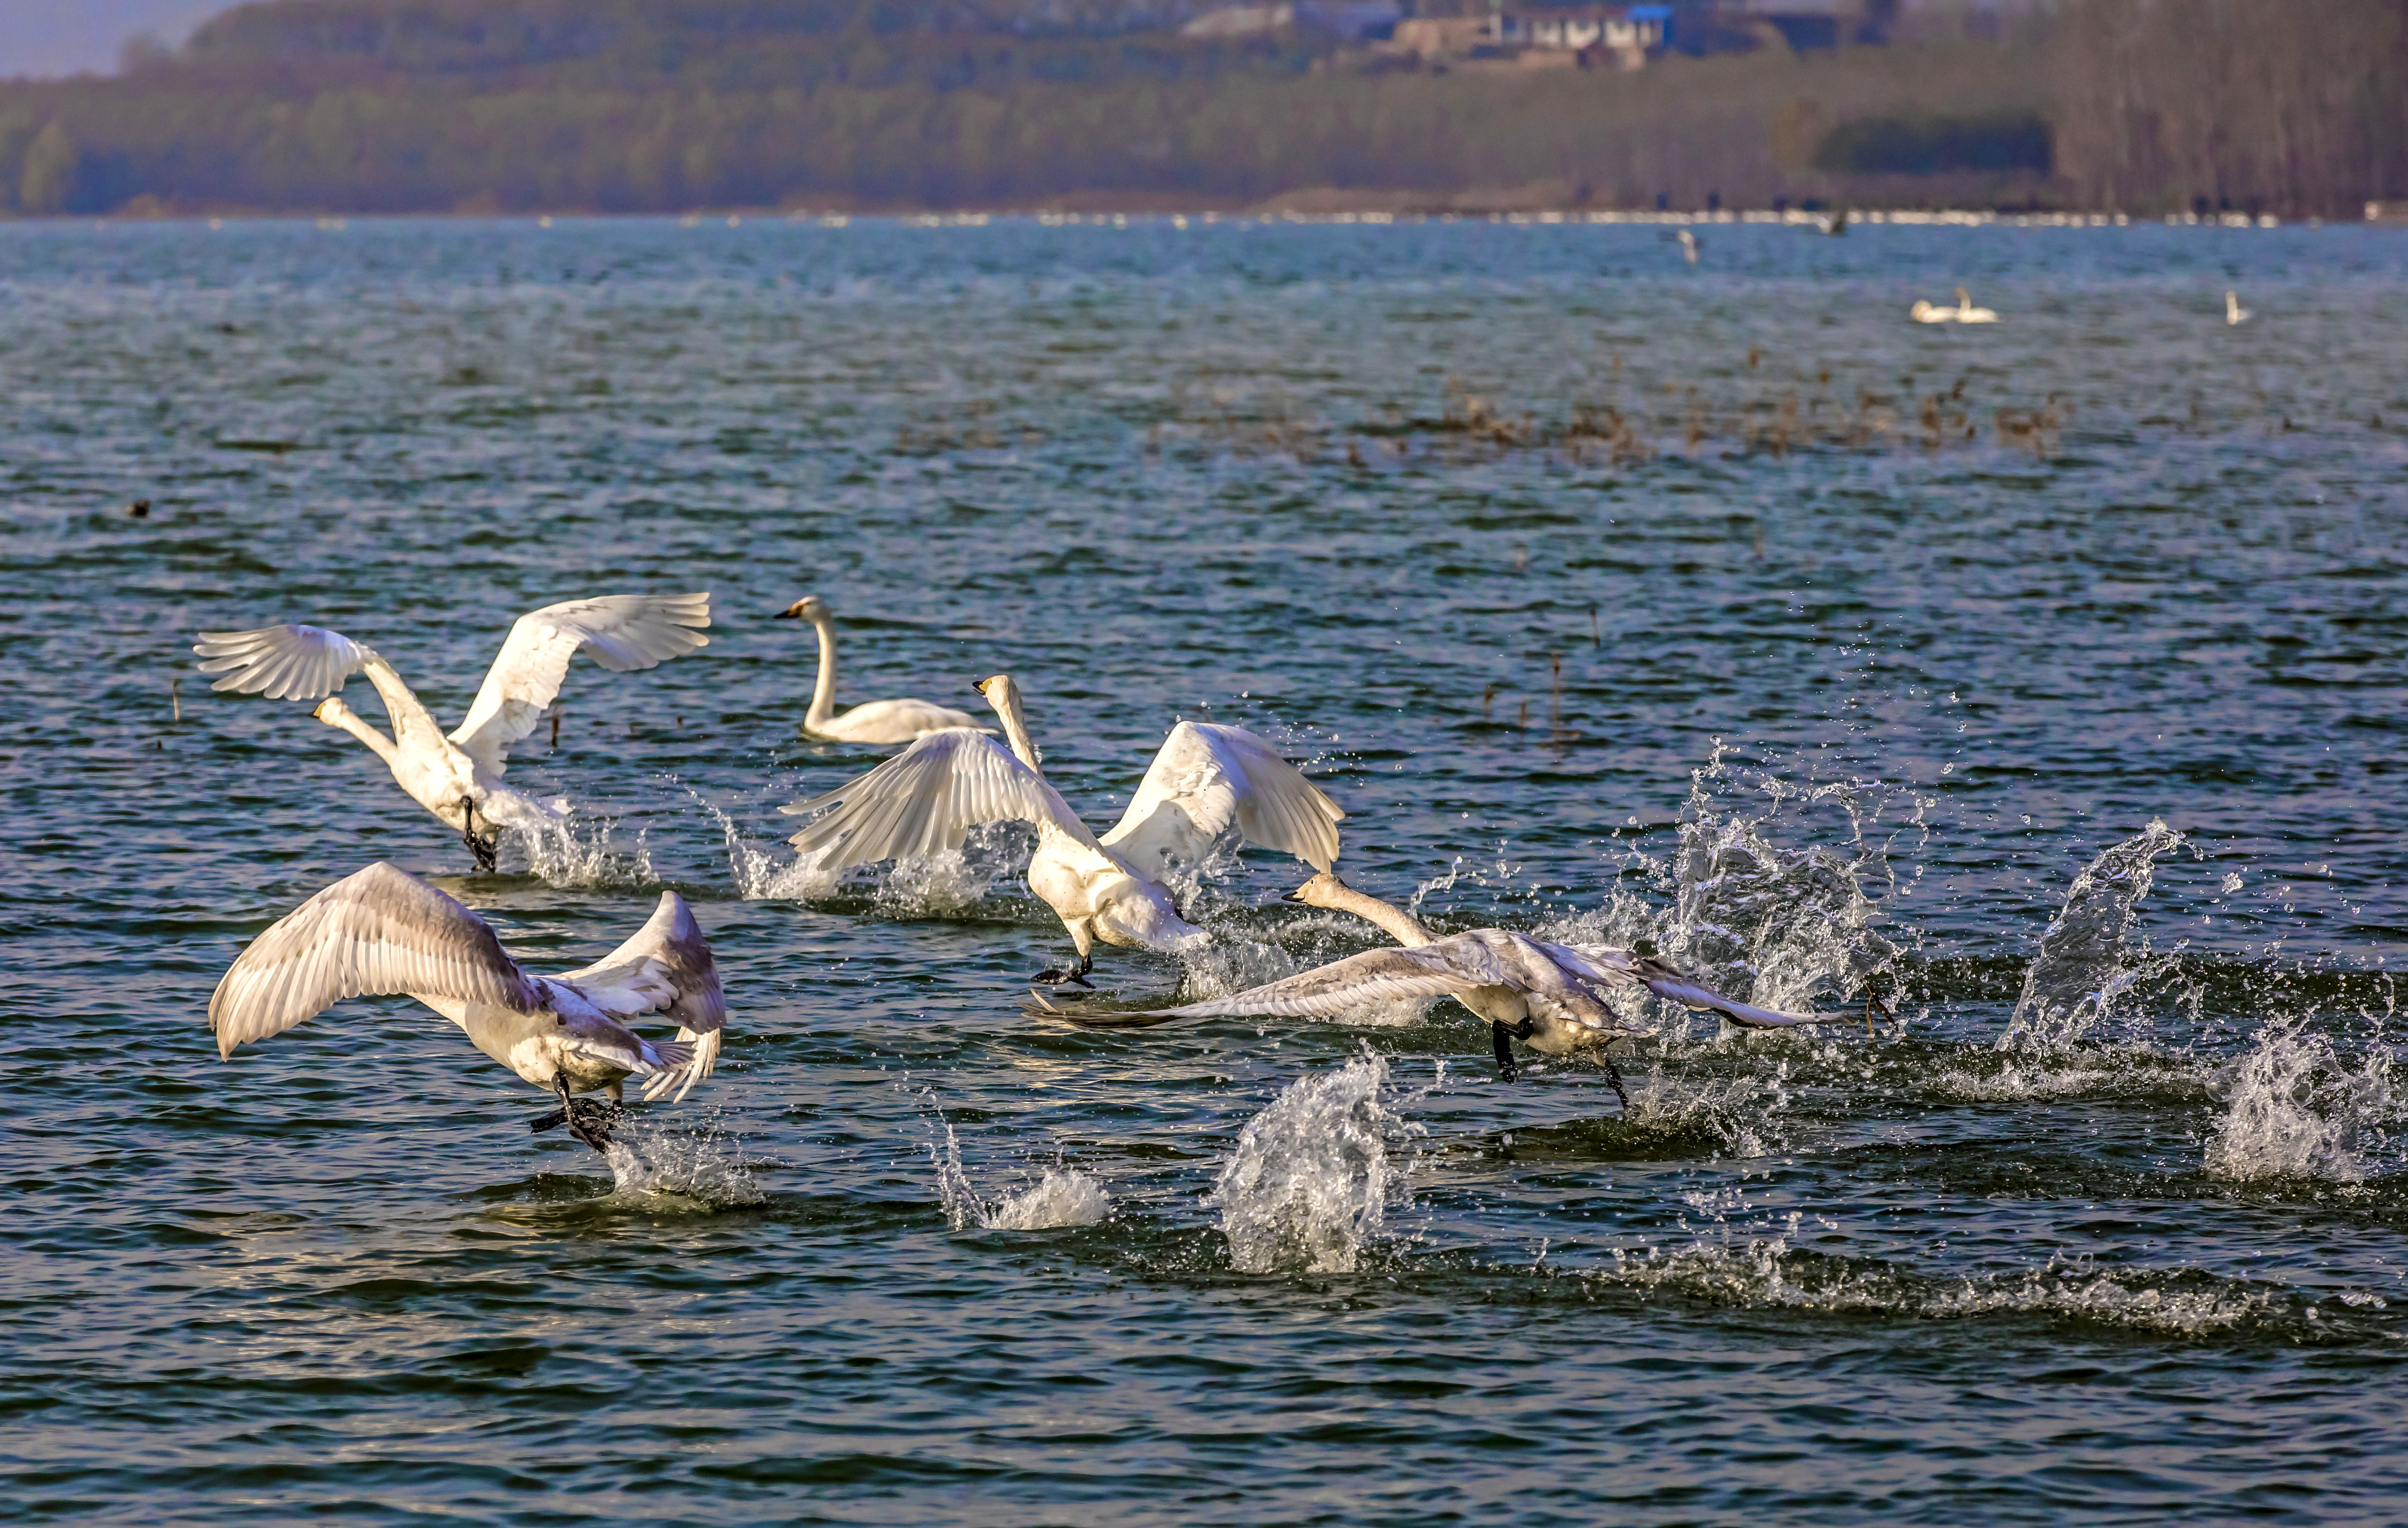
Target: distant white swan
[(1964, 312), (458, 777), (1689, 246), (2233, 311), (381, 931), (1206, 781), (1550, 995), (872, 720)]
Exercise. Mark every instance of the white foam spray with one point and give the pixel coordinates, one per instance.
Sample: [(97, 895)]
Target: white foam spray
[(1309, 1181), (2086, 960), (702, 1167), (1063, 1196), (2297, 1109)]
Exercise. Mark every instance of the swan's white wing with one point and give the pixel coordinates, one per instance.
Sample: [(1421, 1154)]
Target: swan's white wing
[(620, 631), (925, 801), (375, 931), (282, 663), (1602, 963), (1209, 778), (665, 967), (1447, 968)]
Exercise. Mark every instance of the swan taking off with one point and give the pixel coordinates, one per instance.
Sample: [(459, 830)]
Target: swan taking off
[(1964, 312), (2233, 311), (1549, 995), (873, 720), (458, 777), (1206, 781), (1689, 246), (382, 931)]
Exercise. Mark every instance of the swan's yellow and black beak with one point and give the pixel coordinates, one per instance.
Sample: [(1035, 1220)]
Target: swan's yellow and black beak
[(317, 713)]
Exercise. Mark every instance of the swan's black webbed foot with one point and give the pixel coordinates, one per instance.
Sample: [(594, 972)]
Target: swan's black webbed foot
[(1075, 976), (588, 1120), (483, 848), (1874, 1000), (1614, 1074), (1504, 1034)]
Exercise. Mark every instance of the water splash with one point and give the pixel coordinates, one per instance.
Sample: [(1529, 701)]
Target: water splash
[(939, 884), (1309, 1181), (1734, 1113), (576, 851), (705, 1167), (1064, 1196), (2297, 1110), (2085, 961)]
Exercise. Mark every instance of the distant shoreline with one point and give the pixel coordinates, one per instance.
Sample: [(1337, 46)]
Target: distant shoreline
[(1191, 215)]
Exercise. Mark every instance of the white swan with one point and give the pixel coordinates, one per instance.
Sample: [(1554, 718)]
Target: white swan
[(1964, 312), (872, 720), (458, 777), (1550, 995), (382, 931), (2233, 311), (1205, 782), (1689, 245)]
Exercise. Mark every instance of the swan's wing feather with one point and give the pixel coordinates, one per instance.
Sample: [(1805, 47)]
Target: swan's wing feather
[(282, 663), (1375, 978), (1604, 963), (620, 632), (1209, 778), (376, 930), (665, 967), (925, 799)]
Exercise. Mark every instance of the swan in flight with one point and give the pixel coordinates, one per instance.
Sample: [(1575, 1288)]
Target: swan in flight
[(458, 777), (2233, 311), (1964, 312), (382, 931), (1206, 780), (872, 722), (1549, 995)]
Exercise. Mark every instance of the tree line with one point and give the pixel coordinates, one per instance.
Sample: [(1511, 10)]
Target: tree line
[(419, 106)]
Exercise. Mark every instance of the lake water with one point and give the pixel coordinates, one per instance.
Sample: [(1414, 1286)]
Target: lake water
[(2047, 675)]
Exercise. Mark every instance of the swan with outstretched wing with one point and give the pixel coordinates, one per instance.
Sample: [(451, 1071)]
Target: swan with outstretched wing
[(1207, 782), (458, 777), (383, 931)]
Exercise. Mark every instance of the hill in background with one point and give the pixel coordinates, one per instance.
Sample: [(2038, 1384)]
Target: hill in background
[(367, 106)]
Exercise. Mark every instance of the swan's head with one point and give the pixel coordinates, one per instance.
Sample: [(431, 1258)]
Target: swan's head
[(1320, 892), (332, 712), (809, 608), (998, 688), (1920, 311)]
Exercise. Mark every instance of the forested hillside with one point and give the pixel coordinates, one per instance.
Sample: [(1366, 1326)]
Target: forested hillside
[(671, 104)]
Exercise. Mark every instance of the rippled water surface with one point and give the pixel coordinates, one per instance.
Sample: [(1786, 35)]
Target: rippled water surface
[(2046, 677)]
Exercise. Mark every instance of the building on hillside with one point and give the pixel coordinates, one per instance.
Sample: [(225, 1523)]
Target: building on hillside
[(1583, 35)]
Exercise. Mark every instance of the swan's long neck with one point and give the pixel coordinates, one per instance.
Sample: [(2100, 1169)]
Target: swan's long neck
[(350, 721), (1024, 748), (1400, 925), (823, 691)]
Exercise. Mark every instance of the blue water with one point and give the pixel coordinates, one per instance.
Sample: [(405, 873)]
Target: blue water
[(1718, 607)]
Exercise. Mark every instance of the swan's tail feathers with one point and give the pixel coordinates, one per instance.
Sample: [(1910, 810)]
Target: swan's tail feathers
[(667, 1056), (678, 1080), (1690, 996)]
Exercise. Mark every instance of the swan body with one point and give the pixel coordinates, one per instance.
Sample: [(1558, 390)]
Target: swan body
[(458, 777), (1548, 996), (1964, 312), (2233, 311), (383, 931), (1689, 245), (1206, 781), (872, 722)]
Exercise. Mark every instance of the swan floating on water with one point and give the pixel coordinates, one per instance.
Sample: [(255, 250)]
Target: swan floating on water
[(458, 777), (1207, 780), (1549, 995), (382, 931), (1689, 245), (2233, 311), (1964, 312), (873, 720)]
